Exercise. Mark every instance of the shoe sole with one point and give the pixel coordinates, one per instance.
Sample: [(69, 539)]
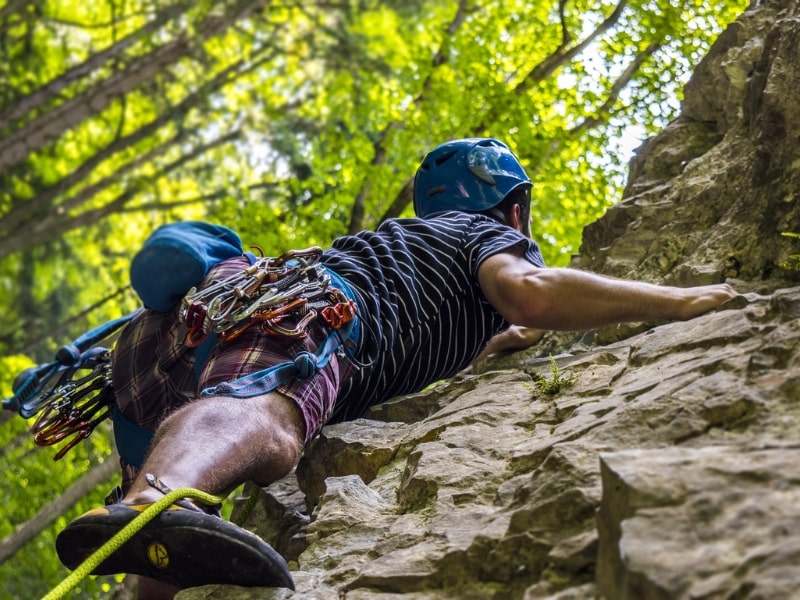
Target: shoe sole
[(181, 547)]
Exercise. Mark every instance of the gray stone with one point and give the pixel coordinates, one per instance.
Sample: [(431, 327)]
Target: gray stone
[(706, 522)]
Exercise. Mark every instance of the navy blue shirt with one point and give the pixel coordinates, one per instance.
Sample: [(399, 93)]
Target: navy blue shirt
[(423, 314)]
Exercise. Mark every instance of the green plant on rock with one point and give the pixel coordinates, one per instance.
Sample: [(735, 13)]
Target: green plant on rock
[(557, 382)]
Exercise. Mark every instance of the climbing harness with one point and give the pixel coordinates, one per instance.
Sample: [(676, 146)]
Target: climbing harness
[(283, 296), (72, 394)]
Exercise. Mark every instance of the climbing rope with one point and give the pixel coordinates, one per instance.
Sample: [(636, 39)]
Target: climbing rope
[(124, 534), (247, 509)]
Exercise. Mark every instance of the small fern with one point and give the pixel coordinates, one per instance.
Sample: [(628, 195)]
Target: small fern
[(556, 383)]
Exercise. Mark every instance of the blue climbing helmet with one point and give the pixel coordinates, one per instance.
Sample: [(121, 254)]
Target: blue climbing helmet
[(470, 175)]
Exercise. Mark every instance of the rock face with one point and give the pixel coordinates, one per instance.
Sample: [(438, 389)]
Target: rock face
[(667, 466)]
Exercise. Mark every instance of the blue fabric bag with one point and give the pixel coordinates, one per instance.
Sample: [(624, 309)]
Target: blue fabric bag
[(176, 257)]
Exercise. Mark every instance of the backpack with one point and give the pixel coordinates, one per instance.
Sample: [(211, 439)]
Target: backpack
[(176, 257)]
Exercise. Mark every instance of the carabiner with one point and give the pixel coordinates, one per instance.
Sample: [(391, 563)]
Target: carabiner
[(338, 315), (314, 253), (298, 331), (81, 434)]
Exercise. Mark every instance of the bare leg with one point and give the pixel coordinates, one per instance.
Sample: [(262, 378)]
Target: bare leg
[(214, 444), (217, 443)]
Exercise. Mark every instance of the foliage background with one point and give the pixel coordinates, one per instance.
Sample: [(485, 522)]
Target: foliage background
[(293, 122)]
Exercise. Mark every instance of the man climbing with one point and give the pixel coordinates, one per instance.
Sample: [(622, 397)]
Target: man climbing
[(429, 293)]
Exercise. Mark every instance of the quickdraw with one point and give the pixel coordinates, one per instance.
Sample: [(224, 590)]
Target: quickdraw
[(76, 407), (72, 394), (283, 296)]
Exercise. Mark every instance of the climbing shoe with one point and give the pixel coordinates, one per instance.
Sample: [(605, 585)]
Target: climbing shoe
[(183, 547)]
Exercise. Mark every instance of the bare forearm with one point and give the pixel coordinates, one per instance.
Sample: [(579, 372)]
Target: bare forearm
[(572, 300), (568, 299)]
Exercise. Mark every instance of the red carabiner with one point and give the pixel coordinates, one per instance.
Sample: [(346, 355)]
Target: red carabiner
[(339, 314), (195, 318)]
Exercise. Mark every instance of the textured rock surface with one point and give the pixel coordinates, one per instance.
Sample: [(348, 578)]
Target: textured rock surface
[(669, 468)]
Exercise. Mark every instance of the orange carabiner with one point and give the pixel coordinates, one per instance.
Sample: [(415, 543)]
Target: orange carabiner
[(50, 431), (80, 434), (339, 314), (234, 332), (195, 318)]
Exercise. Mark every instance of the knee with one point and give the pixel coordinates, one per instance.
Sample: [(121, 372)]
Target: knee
[(283, 433), (269, 430)]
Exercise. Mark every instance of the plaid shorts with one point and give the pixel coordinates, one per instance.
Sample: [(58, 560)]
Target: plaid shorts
[(154, 372)]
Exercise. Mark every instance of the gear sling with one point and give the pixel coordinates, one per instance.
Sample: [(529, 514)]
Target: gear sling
[(294, 287)]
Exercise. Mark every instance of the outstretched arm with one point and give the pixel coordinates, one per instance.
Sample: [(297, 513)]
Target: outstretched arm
[(573, 300)]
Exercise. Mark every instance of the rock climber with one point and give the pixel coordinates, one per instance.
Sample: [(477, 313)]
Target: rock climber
[(427, 293)]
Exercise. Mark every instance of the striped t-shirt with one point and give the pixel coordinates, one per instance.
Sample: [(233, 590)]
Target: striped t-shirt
[(423, 314)]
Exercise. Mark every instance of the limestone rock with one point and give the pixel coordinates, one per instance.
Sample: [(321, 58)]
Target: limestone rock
[(712, 522)]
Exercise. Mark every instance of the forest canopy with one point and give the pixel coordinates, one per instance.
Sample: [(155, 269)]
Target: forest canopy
[(292, 122)]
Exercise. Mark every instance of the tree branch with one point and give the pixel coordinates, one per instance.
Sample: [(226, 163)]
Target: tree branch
[(15, 147), (13, 6), (54, 226), (564, 53), (43, 202), (379, 147), (604, 112), (559, 57), (35, 100)]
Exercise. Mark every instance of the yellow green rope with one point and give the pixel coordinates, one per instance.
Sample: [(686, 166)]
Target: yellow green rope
[(124, 534), (244, 513)]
